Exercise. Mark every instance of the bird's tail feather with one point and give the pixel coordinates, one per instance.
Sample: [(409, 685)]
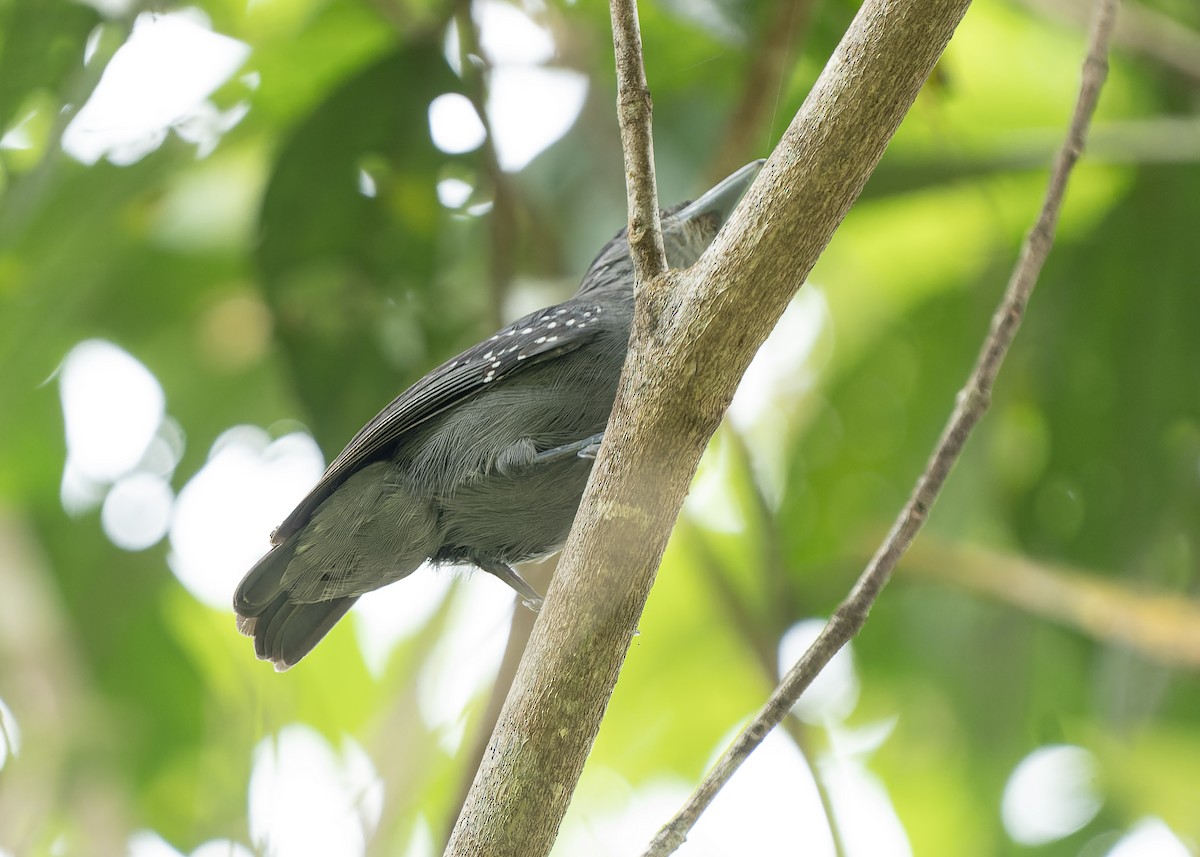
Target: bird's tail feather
[(284, 630)]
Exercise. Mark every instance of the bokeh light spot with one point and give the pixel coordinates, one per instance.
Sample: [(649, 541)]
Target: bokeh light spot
[(466, 656), (453, 193), (226, 512), (307, 799), (454, 125), (530, 108), (137, 511), (1150, 837), (530, 105), (1050, 794), (112, 407), (157, 80), (10, 734)]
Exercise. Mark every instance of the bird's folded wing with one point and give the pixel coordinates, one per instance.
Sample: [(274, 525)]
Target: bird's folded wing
[(537, 337)]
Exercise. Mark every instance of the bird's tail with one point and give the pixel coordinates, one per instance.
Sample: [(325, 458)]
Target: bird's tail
[(284, 630)]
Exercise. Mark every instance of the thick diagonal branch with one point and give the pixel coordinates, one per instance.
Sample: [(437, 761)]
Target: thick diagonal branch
[(683, 366)]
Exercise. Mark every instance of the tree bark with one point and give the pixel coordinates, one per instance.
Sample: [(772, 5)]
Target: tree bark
[(694, 334)]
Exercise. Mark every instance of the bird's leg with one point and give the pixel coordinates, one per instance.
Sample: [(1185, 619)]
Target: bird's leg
[(523, 456), (586, 448), (529, 596)]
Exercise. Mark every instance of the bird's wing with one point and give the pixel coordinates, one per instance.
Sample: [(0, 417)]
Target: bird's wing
[(537, 337)]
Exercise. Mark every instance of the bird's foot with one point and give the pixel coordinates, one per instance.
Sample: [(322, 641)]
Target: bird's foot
[(530, 597), (586, 448)]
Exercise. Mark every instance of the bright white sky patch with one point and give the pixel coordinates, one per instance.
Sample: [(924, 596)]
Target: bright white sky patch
[(17, 137), (529, 106), (772, 799), (222, 848), (778, 378), (710, 502), (865, 814), (467, 656), (111, 8), (398, 610), (147, 843), (225, 514), (307, 799), (1050, 794), (159, 79), (112, 407), (453, 193), (1150, 837), (10, 735), (778, 370), (421, 843), (506, 34), (366, 184), (609, 818), (454, 125), (137, 511)]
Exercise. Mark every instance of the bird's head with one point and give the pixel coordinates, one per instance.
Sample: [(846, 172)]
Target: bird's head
[(688, 229)]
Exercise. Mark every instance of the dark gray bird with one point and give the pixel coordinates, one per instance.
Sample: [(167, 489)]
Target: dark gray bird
[(482, 461)]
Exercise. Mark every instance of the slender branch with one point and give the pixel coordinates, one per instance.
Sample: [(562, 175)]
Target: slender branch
[(972, 402), (634, 109), (674, 389), (1159, 625), (1141, 29), (762, 633), (760, 637)]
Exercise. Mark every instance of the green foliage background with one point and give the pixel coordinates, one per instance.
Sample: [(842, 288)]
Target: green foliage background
[(260, 286)]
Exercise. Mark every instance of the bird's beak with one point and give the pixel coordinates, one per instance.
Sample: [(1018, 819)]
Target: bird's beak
[(721, 199)]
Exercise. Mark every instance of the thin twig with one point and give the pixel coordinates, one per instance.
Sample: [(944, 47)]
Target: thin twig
[(634, 110), (1140, 29), (971, 404), (759, 636)]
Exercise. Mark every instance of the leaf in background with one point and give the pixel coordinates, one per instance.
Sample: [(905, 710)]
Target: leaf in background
[(41, 47), (336, 258)]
